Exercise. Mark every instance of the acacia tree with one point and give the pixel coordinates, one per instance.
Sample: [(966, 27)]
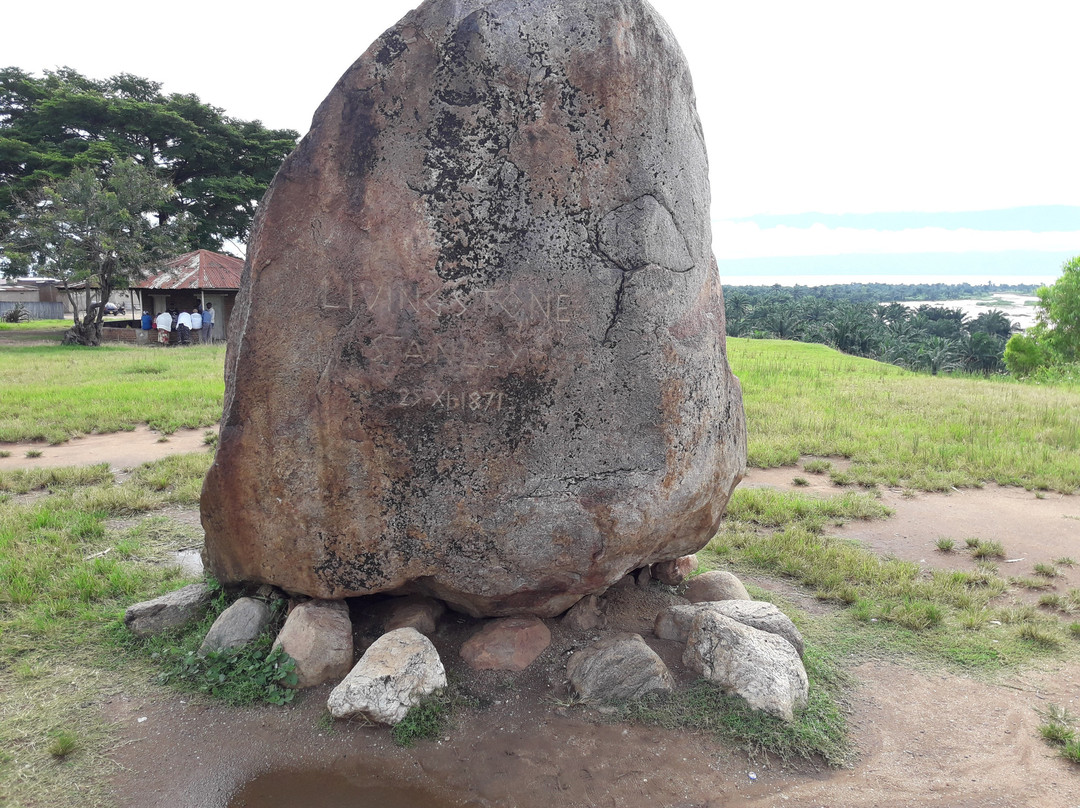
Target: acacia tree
[(95, 229)]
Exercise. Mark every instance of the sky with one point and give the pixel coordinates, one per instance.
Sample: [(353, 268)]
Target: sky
[(846, 139)]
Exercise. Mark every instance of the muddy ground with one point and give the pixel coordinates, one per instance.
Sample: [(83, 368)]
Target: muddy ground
[(925, 737)]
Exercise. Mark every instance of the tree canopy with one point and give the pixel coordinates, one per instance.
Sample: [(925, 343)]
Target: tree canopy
[(96, 231), (63, 122), (927, 337), (1055, 338)]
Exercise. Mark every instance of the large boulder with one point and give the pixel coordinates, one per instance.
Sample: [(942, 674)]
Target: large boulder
[(478, 351), (762, 668), (395, 674)]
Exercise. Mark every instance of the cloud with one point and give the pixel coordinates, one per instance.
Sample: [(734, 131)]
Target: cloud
[(735, 240)]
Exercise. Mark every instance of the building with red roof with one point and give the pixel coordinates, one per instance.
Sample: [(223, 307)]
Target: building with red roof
[(195, 279)]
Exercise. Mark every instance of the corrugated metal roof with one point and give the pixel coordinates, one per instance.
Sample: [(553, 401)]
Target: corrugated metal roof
[(201, 269)]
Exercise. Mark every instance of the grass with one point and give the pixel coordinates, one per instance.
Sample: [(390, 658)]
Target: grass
[(945, 545), (904, 429), (53, 393), (71, 560), (942, 615), (1059, 730)]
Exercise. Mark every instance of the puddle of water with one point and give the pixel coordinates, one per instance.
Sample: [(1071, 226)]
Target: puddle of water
[(319, 789)]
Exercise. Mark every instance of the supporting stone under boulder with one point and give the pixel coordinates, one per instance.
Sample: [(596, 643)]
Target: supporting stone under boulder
[(170, 611), (318, 636), (509, 644), (479, 350), (238, 625), (395, 674), (617, 668), (762, 668)]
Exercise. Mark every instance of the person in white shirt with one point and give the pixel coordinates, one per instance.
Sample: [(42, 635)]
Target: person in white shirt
[(196, 321), (183, 325), (164, 325)]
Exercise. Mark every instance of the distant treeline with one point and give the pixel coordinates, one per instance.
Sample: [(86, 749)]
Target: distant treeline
[(888, 292), (865, 320)]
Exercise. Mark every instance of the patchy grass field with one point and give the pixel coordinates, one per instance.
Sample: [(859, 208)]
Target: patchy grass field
[(76, 548), (904, 429), (53, 393), (78, 545)]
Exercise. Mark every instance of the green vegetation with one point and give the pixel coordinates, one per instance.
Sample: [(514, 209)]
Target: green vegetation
[(930, 338), (818, 731), (1059, 730), (948, 616), (1054, 341), (93, 227), (37, 325), (54, 393), (945, 545), (63, 121), (254, 673), (425, 721), (68, 568), (904, 429)]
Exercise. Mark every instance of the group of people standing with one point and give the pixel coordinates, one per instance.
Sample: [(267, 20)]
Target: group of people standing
[(176, 327)]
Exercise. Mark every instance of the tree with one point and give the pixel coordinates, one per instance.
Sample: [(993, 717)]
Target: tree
[(1023, 355), (98, 230), (1058, 325), (60, 123)]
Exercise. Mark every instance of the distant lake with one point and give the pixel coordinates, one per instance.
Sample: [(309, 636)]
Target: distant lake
[(1019, 309)]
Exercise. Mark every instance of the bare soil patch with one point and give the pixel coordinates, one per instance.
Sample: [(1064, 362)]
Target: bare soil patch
[(121, 450), (1032, 528), (926, 737)]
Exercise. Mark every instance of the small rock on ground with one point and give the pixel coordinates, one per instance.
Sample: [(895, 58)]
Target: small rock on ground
[(238, 625), (415, 611), (760, 667), (617, 668), (674, 572), (174, 610), (715, 585), (395, 673), (506, 644), (674, 622), (318, 636)]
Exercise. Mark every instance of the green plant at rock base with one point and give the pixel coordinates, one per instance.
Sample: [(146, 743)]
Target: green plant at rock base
[(425, 721), (239, 676)]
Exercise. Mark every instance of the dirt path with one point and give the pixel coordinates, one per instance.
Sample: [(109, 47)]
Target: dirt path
[(119, 449), (926, 738)]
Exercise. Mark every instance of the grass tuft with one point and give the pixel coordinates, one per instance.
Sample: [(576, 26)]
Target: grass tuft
[(63, 743)]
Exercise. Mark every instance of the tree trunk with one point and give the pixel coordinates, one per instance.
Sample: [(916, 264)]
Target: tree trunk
[(84, 333)]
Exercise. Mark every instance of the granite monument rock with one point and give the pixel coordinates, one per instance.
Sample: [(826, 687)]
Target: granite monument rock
[(478, 351)]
